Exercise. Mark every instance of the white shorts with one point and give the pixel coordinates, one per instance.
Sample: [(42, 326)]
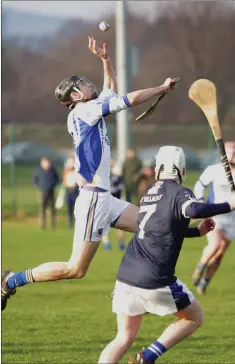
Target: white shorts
[(95, 213), (226, 224), (134, 301)]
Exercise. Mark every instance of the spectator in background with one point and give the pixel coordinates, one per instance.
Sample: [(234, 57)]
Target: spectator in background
[(147, 179), (131, 174), (46, 179), (69, 190), (116, 188)]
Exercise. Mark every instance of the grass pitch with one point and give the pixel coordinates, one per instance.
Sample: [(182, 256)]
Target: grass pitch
[(71, 321)]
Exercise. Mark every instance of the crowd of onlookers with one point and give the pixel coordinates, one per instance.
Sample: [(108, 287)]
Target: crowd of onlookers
[(128, 182), (47, 178)]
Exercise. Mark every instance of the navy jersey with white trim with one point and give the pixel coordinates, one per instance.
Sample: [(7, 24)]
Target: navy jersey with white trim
[(152, 254), (87, 127)]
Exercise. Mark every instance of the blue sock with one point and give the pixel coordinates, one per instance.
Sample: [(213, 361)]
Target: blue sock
[(154, 351), (107, 245), (201, 266), (122, 245), (204, 282), (20, 279)]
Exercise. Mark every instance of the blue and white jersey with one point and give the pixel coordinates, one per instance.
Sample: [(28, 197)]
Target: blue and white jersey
[(213, 177), (87, 127)]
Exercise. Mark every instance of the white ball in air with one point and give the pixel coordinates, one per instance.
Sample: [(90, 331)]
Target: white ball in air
[(104, 26)]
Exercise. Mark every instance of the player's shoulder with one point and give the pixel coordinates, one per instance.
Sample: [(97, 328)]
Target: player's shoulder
[(185, 192), (82, 111), (107, 92), (181, 188), (174, 186), (212, 168)]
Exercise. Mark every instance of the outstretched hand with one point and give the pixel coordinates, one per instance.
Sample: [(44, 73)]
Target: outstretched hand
[(206, 226), (170, 83), (98, 51)]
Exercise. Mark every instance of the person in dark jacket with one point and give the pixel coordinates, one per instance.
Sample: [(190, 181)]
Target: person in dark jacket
[(131, 174), (69, 190), (46, 179), (116, 188)]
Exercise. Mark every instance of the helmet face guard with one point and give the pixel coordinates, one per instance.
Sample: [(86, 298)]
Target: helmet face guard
[(78, 84)]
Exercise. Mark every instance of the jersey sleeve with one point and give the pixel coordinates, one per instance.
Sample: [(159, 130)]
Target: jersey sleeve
[(203, 182), (183, 199), (107, 92), (91, 111)]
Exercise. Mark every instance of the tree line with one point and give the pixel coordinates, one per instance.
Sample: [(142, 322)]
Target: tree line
[(188, 39)]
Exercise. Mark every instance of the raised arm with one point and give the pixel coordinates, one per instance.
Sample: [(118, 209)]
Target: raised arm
[(141, 96), (189, 207), (203, 182), (109, 74), (93, 110)]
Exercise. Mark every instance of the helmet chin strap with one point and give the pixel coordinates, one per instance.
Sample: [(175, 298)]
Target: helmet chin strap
[(169, 175), (94, 95)]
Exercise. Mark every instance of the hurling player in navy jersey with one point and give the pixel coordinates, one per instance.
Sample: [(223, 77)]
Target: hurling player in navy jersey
[(146, 280)]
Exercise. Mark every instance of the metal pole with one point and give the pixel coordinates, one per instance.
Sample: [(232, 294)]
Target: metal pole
[(123, 129), (12, 170)]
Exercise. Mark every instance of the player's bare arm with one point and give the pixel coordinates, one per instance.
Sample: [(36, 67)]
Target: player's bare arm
[(141, 96), (202, 229), (109, 73)]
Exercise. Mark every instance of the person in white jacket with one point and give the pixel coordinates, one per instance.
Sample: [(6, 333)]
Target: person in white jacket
[(224, 232)]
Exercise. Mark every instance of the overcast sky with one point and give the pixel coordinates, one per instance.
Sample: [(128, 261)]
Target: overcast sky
[(83, 9)]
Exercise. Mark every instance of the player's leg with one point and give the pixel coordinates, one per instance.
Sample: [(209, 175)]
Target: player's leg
[(210, 249), (121, 207), (43, 206), (76, 267), (123, 215), (176, 299), (213, 265), (128, 327), (51, 198), (85, 245), (129, 310), (121, 240), (106, 242), (190, 319)]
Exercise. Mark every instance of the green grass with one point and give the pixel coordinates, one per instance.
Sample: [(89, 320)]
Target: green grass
[(26, 195), (71, 321)]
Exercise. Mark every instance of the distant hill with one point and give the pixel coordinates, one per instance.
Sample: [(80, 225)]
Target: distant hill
[(36, 31), (24, 24)]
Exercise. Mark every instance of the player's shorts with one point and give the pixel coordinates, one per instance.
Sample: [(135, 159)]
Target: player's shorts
[(226, 224), (95, 213), (134, 301)]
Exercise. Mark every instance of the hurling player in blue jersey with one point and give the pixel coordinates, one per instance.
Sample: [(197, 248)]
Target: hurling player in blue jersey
[(95, 209), (146, 280)]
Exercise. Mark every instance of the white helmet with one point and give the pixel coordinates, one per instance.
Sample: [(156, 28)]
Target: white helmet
[(170, 163)]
